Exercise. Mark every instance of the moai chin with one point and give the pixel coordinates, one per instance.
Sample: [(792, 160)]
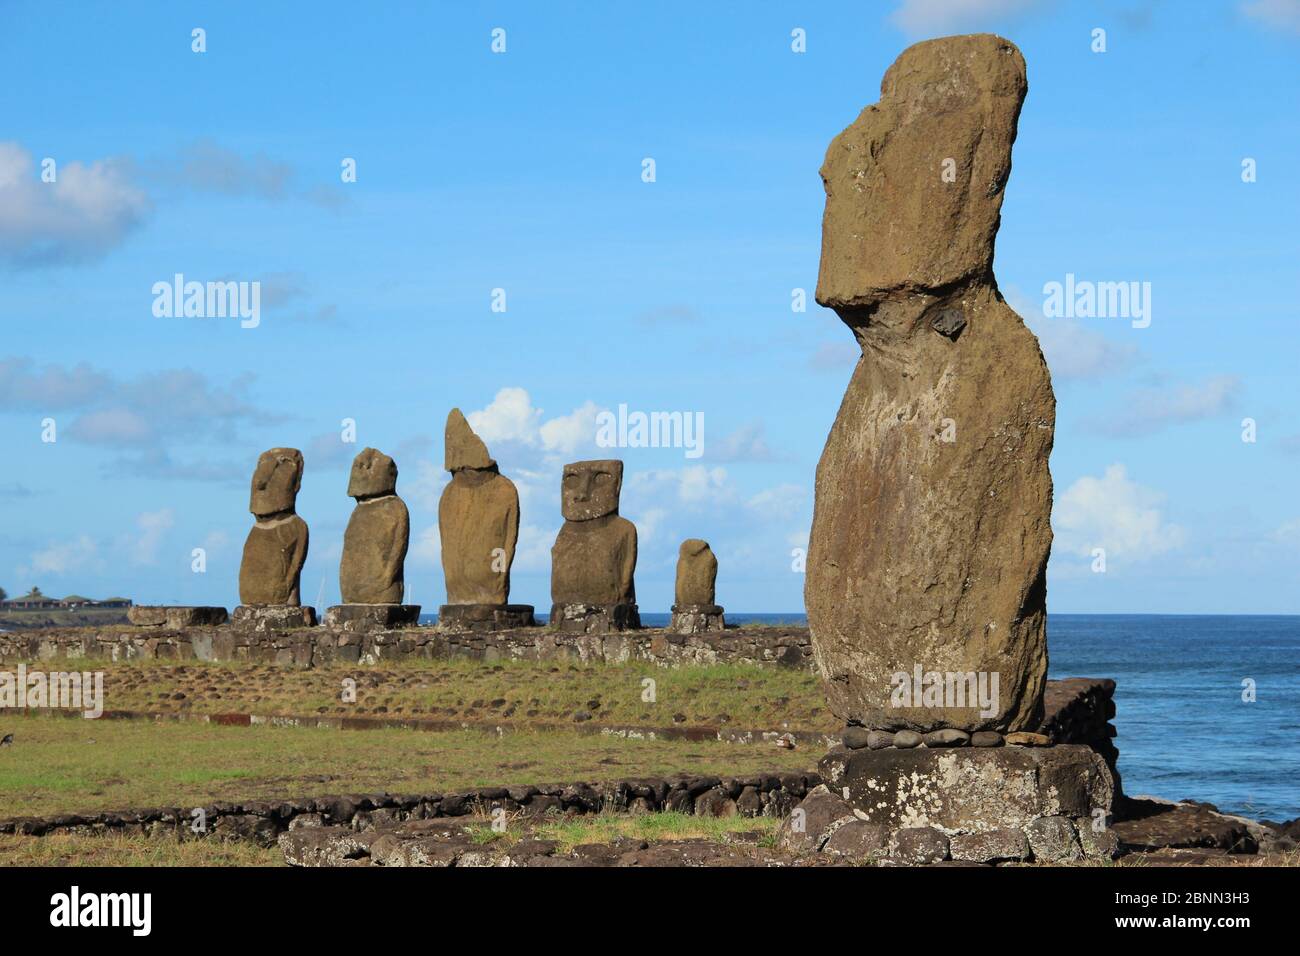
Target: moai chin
[(478, 521), (694, 607), (931, 525), (371, 577), (276, 546), (594, 556)]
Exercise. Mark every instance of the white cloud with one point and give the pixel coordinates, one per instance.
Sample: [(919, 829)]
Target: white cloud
[(81, 552), (1115, 513), (779, 502), (153, 525), (1147, 410), (746, 443), (1274, 13), (568, 433), (941, 16), (509, 417), (692, 485), (80, 216), (1074, 351)]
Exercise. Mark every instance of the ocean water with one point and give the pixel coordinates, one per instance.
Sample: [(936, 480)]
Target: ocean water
[(1184, 732)]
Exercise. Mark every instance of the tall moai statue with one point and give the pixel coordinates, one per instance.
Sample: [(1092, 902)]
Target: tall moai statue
[(478, 521), (594, 556), (371, 577), (931, 527), (276, 547), (694, 607)]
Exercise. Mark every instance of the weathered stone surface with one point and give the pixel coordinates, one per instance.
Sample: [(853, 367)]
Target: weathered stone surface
[(478, 520), (1149, 824), (812, 822), (931, 528), (907, 739), (485, 617), (594, 556), (990, 846), (970, 788), (986, 738), (1026, 739), (368, 617), (918, 846), (879, 739), (855, 738), (277, 544), (377, 536), (1053, 840), (176, 617), (696, 619), (272, 617), (594, 618), (697, 573), (947, 738), (858, 840), (1098, 840)]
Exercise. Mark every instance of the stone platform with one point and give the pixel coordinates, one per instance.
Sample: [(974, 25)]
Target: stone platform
[(973, 804), (485, 617), (696, 619), (175, 617), (594, 618), (272, 617), (369, 617)]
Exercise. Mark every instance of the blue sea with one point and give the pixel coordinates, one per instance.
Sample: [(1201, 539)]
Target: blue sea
[(1184, 730)]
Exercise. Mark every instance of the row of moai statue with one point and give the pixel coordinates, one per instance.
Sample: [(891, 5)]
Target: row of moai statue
[(593, 561)]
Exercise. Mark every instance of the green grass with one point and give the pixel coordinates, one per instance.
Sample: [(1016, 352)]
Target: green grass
[(69, 850), (736, 695), (608, 827), (68, 765)]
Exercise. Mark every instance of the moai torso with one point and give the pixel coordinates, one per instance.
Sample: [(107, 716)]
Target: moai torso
[(374, 545), (593, 562), (277, 544), (273, 558), (374, 550), (594, 556), (697, 573), (478, 519)]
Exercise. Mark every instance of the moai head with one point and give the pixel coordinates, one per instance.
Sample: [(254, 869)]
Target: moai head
[(373, 474), (464, 450), (590, 489), (276, 481)]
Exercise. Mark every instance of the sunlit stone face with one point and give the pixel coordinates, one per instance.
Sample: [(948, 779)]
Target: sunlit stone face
[(590, 489), (276, 481), (373, 474)]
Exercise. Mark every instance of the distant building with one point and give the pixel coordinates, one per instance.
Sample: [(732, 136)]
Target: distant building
[(34, 600)]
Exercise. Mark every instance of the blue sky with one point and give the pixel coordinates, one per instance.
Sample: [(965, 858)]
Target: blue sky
[(522, 171)]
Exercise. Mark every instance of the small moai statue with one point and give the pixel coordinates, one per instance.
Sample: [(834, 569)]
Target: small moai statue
[(276, 547), (594, 556), (694, 610), (371, 577), (478, 522)]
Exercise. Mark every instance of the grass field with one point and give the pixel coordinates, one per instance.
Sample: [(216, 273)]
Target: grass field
[(745, 696), (65, 765)]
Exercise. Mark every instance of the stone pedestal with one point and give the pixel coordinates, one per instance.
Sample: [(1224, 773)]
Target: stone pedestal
[(177, 617), (368, 617), (273, 617), (485, 617), (923, 805), (595, 618), (696, 619)]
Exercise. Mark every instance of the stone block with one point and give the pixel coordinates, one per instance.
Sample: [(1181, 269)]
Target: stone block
[(969, 788)]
